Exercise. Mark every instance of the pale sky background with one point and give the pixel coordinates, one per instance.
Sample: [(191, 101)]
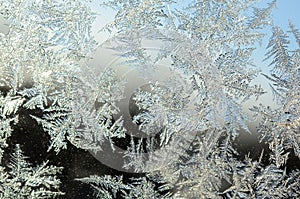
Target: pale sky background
[(286, 9)]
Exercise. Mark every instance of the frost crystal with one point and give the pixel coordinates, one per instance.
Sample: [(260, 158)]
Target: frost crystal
[(24, 181), (191, 122)]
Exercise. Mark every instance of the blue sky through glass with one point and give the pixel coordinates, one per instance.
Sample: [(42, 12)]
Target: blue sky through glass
[(285, 10)]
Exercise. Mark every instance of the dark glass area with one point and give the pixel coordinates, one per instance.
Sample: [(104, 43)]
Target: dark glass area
[(79, 163)]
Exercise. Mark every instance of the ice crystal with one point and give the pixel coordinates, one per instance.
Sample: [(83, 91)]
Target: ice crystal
[(281, 125), (21, 180), (191, 121)]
